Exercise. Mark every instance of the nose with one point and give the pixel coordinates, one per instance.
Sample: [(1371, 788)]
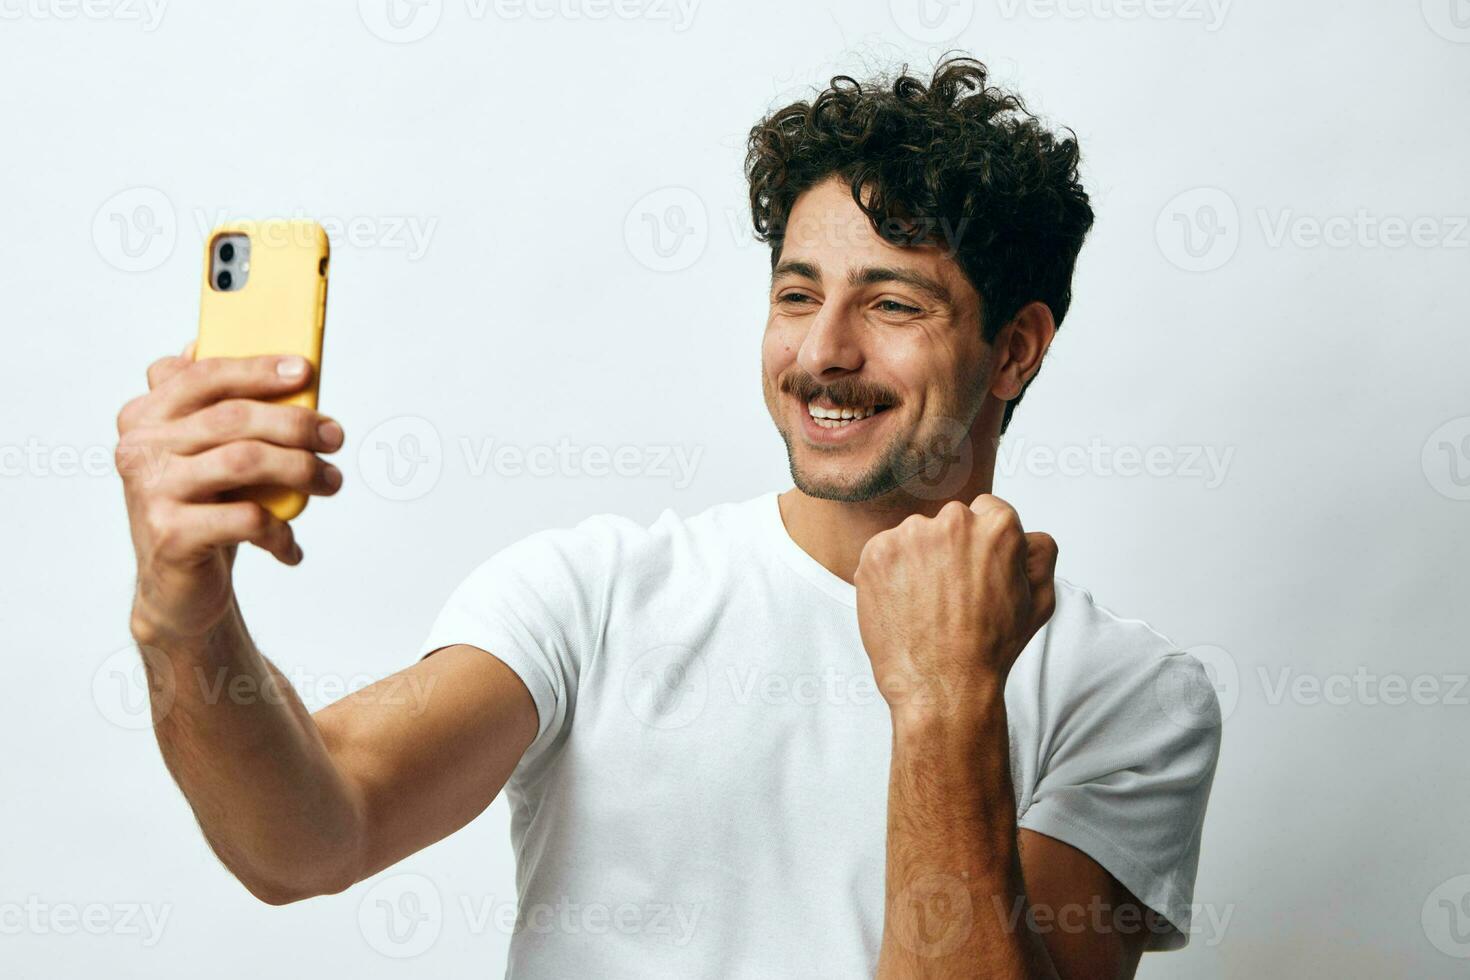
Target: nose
[(831, 346)]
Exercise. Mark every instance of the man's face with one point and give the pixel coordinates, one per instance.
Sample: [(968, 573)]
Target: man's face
[(873, 365)]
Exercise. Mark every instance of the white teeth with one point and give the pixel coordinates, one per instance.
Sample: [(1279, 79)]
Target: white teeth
[(834, 418)]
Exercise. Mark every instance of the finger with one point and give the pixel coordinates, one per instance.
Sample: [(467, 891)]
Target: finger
[(197, 528), (251, 463), (1041, 567), (216, 378), (988, 504), (234, 419), (166, 367)]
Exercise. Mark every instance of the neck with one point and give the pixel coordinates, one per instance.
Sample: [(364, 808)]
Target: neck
[(834, 532)]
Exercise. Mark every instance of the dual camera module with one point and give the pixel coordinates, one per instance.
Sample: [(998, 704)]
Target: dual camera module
[(229, 262)]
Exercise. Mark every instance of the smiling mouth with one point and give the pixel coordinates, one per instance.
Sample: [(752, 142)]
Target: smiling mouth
[(833, 417)]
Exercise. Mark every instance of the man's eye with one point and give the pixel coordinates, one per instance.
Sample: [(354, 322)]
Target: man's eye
[(894, 306), (795, 298)]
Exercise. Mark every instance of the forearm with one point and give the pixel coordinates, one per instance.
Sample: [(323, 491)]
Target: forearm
[(253, 765), (955, 895)]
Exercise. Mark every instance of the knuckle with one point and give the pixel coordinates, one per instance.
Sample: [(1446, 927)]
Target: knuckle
[(127, 416), (307, 468), (954, 512), (228, 416), (257, 522), (303, 426), (159, 523), (244, 456)]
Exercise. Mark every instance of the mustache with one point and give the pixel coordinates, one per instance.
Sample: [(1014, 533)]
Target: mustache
[(844, 393)]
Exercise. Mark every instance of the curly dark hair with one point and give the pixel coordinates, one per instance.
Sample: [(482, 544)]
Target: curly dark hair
[(955, 161)]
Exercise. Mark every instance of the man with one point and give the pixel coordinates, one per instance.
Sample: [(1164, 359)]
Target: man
[(855, 728)]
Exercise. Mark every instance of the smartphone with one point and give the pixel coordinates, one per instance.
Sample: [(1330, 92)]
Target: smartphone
[(265, 292)]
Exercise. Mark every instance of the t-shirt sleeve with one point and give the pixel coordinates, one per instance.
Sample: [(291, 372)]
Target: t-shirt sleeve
[(537, 605), (1127, 774)]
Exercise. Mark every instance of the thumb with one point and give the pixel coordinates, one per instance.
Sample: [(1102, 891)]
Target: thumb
[(1041, 568)]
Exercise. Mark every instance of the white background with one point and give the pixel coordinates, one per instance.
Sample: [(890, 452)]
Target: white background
[(518, 143)]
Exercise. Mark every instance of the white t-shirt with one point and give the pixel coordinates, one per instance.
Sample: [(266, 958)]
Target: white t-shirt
[(707, 792)]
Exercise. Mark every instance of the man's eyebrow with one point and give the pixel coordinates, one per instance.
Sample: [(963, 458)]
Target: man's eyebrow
[(798, 269), (874, 274)]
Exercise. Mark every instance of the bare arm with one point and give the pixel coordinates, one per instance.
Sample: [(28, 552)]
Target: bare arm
[(294, 804), (969, 896), (945, 605)]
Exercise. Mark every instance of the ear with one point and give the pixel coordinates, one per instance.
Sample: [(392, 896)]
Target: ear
[(1019, 348)]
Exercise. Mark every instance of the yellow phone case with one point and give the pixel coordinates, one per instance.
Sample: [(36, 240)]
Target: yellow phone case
[(280, 309)]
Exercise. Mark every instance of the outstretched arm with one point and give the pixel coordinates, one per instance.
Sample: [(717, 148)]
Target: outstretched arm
[(294, 804)]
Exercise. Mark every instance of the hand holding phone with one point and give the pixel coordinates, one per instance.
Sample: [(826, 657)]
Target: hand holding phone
[(265, 292), (224, 447)]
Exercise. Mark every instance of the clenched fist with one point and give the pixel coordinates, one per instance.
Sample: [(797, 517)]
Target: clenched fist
[(205, 429), (946, 604)]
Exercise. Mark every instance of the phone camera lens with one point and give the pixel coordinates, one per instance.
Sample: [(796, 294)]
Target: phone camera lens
[(227, 252), (224, 278)]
